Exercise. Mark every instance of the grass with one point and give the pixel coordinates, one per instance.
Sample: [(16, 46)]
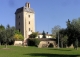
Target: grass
[(17, 51)]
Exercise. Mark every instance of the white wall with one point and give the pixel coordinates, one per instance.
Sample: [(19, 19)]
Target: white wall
[(17, 43), (42, 36)]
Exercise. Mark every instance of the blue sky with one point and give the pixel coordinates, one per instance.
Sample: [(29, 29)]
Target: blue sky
[(48, 13)]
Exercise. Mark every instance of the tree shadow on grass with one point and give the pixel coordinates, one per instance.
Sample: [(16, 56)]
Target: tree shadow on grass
[(61, 49), (51, 55)]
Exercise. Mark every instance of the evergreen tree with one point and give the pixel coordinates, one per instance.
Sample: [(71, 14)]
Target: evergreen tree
[(44, 35)]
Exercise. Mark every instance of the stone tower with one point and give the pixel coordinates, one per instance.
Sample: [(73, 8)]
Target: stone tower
[(25, 20)]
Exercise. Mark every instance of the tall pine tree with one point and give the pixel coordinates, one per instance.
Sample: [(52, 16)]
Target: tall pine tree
[(44, 35)]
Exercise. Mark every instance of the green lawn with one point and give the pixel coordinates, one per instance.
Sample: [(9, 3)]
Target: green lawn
[(17, 51)]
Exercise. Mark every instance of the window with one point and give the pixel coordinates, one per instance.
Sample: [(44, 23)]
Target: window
[(19, 23), (19, 17), (29, 22), (29, 29), (29, 16), (19, 30)]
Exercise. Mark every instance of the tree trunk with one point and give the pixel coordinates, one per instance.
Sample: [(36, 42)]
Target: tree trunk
[(77, 48), (62, 44), (5, 45), (0, 43), (66, 45)]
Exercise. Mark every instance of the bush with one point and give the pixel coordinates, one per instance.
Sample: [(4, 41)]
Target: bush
[(18, 37), (30, 42), (51, 45), (33, 42)]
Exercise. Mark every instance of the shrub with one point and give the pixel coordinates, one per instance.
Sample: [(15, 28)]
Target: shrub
[(18, 37), (33, 42), (37, 41), (51, 45), (30, 42), (33, 35)]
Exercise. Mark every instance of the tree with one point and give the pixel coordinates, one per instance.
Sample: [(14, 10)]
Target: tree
[(33, 35), (65, 40), (63, 37), (69, 32), (7, 35), (55, 30), (73, 31), (18, 35), (76, 44), (2, 28), (44, 35)]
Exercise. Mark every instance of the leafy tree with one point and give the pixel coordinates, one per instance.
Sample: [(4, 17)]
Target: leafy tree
[(69, 32), (2, 28), (33, 35), (55, 30), (18, 35), (73, 30), (44, 34), (65, 40), (63, 37), (17, 32), (7, 35), (76, 44), (33, 41)]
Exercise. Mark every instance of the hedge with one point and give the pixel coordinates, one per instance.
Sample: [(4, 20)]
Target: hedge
[(33, 42)]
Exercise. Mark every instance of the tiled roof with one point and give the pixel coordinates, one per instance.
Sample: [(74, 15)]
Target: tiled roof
[(24, 9), (19, 10), (28, 10)]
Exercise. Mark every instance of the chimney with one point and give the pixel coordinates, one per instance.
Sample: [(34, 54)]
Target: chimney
[(27, 5)]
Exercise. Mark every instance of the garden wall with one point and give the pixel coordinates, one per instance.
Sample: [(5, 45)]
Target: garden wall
[(18, 43)]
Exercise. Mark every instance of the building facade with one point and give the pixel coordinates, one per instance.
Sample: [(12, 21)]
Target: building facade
[(47, 35), (25, 20)]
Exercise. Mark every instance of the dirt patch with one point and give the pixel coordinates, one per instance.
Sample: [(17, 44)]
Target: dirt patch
[(6, 48)]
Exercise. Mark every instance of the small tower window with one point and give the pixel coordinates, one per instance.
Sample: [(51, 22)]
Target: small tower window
[(29, 16), (29, 22), (19, 16), (29, 29), (19, 23)]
